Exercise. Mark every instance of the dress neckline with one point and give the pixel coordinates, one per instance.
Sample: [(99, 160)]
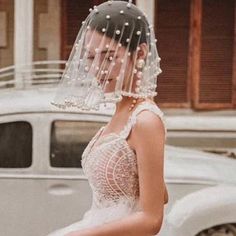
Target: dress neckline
[(99, 137)]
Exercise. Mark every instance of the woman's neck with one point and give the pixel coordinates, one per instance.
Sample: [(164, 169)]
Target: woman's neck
[(124, 104)]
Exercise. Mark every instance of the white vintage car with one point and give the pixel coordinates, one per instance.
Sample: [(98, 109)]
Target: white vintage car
[(44, 188)]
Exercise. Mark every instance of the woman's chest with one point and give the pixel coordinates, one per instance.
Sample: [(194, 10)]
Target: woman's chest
[(111, 163), (110, 153)]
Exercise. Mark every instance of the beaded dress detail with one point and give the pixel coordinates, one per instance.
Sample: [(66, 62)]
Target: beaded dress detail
[(110, 165)]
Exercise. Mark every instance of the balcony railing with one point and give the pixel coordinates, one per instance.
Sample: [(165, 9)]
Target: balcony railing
[(39, 73)]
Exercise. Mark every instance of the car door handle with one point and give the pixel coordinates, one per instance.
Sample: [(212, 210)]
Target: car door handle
[(60, 189)]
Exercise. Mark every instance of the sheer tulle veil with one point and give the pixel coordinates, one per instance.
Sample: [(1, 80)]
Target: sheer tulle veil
[(104, 63)]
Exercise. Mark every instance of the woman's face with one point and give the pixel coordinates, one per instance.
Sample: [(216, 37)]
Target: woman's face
[(106, 60)]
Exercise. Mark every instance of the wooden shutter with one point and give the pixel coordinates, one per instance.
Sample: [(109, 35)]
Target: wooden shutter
[(216, 54), (172, 32), (6, 33), (73, 13)]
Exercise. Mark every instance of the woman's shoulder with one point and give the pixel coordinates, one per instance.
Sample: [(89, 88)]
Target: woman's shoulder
[(149, 112), (149, 120), (149, 106), (149, 129), (147, 123)]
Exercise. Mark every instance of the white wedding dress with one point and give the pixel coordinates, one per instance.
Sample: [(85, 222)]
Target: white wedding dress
[(111, 168)]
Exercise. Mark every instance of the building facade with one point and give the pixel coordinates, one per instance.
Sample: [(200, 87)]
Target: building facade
[(196, 43)]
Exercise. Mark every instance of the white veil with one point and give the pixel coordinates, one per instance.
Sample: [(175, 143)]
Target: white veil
[(108, 61)]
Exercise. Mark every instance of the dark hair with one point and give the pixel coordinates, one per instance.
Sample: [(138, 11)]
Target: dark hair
[(131, 14)]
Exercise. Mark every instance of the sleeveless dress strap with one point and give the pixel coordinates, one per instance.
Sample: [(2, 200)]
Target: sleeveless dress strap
[(132, 119)]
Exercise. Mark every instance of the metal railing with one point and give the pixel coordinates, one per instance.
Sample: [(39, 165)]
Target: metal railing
[(39, 73)]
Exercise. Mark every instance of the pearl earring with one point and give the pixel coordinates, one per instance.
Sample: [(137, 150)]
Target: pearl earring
[(140, 65)]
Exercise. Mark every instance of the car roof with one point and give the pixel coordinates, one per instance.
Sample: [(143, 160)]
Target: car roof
[(38, 100)]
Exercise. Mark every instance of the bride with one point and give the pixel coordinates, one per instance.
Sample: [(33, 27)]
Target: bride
[(115, 59)]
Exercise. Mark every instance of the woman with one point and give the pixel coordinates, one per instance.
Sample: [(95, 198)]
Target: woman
[(114, 59)]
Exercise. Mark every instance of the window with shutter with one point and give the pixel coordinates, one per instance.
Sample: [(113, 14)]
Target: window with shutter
[(172, 31), (216, 54), (197, 44), (73, 13)]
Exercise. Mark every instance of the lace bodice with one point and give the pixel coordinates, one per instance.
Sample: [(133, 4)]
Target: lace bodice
[(111, 165)]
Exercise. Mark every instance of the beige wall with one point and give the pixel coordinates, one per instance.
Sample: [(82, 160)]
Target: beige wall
[(47, 30)]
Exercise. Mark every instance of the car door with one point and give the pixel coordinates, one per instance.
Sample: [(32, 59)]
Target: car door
[(43, 186), (68, 194), (16, 173)]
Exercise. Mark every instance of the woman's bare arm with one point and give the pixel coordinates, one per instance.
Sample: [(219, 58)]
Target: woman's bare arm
[(149, 138)]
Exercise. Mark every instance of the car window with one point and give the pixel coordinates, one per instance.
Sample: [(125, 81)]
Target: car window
[(68, 141), (15, 145)]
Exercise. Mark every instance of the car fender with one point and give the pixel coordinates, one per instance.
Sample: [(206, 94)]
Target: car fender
[(201, 210)]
